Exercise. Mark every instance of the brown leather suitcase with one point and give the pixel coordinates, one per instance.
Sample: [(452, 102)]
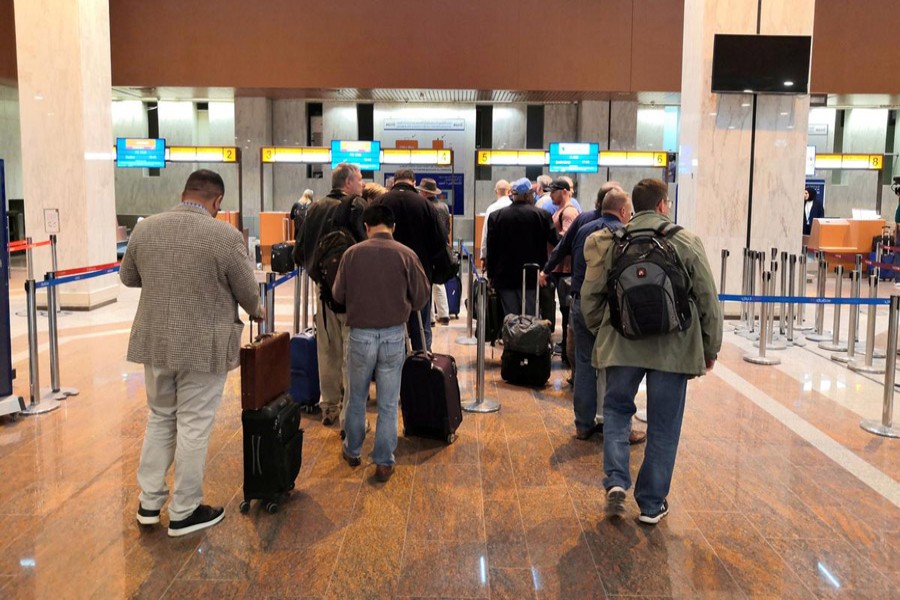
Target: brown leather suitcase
[(265, 370)]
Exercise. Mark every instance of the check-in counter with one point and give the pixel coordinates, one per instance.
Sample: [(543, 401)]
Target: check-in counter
[(229, 216), (274, 228), (844, 236)]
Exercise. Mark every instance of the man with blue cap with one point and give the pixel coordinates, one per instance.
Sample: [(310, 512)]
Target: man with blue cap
[(517, 235)]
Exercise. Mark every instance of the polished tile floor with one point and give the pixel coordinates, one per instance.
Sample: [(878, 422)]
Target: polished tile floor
[(777, 493)]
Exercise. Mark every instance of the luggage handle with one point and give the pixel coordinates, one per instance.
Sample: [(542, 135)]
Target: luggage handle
[(537, 288), (421, 333)]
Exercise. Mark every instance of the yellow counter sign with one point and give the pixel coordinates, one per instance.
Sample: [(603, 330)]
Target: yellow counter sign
[(850, 162), (608, 158), (312, 155), (512, 158), (210, 154)]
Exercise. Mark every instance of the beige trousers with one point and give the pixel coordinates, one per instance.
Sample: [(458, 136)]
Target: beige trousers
[(332, 335)]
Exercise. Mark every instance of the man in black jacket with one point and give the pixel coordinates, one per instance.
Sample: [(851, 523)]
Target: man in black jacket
[(419, 228), (517, 235), (342, 204)]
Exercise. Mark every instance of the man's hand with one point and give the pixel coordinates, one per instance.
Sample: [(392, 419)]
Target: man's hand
[(261, 317), (710, 363), (542, 279)]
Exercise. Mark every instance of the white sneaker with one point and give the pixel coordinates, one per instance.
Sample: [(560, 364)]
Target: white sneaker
[(615, 500)]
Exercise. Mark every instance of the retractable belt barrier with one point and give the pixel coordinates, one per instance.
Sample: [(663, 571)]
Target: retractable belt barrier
[(274, 284), (51, 279), (804, 300), (24, 245), (866, 261)]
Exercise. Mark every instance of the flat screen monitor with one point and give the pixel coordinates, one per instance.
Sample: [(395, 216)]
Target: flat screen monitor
[(364, 154), (771, 64), (141, 153), (574, 157)]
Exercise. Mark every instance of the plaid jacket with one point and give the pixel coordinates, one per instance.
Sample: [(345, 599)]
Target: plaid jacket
[(193, 270)]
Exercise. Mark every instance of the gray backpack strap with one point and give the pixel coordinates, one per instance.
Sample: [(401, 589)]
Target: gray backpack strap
[(668, 229)]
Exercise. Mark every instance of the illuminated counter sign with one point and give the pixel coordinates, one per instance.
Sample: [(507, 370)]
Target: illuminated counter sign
[(512, 158), (854, 162), (364, 154), (400, 156), (209, 154), (572, 157), (312, 155), (141, 153), (612, 158)]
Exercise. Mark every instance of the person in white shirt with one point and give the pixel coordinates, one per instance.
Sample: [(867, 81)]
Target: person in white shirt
[(501, 191)]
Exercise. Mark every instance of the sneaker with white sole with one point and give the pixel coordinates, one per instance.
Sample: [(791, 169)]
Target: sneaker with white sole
[(204, 516), (146, 516), (655, 517), (615, 500)]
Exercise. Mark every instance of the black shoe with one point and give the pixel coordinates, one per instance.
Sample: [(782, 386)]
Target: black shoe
[(147, 517), (204, 516), (655, 517), (585, 434), (353, 461)]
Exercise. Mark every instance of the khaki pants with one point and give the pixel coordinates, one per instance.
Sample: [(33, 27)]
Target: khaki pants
[(332, 335), (183, 407)]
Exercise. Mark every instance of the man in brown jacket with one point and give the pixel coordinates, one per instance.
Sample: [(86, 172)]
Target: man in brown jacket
[(381, 282), (193, 271)]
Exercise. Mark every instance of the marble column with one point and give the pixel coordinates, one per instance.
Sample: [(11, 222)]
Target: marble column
[(252, 131), (714, 167), (65, 115), (508, 127), (593, 126)]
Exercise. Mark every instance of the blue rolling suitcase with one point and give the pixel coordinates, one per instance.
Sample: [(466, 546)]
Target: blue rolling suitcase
[(454, 295), (305, 370)]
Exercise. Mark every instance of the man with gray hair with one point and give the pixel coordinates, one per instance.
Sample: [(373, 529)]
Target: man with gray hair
[(342, 207)]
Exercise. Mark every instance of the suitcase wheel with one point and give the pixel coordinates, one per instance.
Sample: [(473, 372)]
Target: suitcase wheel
[(244, 507), (271, 507), (451, 438)]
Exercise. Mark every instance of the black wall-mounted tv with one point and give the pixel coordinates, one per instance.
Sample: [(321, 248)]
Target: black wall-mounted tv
[(768, 64)]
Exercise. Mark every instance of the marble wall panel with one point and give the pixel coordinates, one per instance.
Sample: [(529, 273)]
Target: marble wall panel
[(289, 128), (253, 130), (11, 142), (593, 126), (509, 125)]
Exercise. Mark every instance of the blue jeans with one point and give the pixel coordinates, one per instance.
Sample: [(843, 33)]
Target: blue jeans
[(382, 352), (588, 387), (665, 409), (412, 326)]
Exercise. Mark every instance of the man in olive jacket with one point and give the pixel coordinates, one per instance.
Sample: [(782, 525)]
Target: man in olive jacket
[(193, 271), (668, 360)]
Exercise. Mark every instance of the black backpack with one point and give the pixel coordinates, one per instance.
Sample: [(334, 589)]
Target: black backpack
[(648, 286), (329, 251)]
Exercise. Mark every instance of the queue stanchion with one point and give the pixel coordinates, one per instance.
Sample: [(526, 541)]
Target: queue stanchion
[(298, 297), (481, 404), (858, 267), (55, 266), (885, 427), (60, 393), (304, 308), (791, 338), (40, 403), (818, 334), (742, 322), (867, 365), (723, 273), (879, 254), (848, 354), (782, 308), (469, 339), (270, 302), (751, 306), (773, 341), (801, 292), (835, 344), (761, 358), (263, 325)]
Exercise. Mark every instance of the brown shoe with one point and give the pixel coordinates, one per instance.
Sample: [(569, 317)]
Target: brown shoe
[(637, 437), (383, 472), (585, 434)]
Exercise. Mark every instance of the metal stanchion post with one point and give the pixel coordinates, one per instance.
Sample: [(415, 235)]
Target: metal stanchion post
[(835, 344), (801, 291), (58, 392), (868, 364), (264, 324), (298, 298), (761, 358), (782, 308), (40, 403), (270, 302), (792, 340), (879, 254), (742, 325), (723, 274), (751, 289), (55, 266), (885, 426), (849, 353), (304, 308), (481, 404), (818, 335), (469, 339)]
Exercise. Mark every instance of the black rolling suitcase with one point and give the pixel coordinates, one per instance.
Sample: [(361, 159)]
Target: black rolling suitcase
[(526, 343), (283, 258), (429, 395), (273, 452)]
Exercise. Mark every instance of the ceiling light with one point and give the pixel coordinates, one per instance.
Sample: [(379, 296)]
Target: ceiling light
[(788, 84), (745, 104)]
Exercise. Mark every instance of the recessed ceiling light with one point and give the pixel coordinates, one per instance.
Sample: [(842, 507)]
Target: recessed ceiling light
[(731, 127), (745, 104), (712, 114), (788, 84), (784, 114), (748, 91)]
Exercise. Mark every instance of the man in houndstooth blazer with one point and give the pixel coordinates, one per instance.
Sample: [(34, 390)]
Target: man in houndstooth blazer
[(193, 271)]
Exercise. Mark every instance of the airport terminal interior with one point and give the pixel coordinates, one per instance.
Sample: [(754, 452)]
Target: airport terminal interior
[(787, 477)]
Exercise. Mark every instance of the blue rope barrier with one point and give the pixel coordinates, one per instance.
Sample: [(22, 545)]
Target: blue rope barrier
[(804, 300), (79, 277), (277, 282)]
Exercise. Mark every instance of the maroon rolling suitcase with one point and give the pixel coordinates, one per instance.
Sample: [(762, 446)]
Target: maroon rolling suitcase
[(429, 395)]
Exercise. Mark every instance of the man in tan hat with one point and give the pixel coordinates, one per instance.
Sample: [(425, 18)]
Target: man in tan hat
[(430, 191)]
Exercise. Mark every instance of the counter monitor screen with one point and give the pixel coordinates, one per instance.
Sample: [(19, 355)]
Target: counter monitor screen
[(365, 155), (571, 157), (772, 64), (141, 153)]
